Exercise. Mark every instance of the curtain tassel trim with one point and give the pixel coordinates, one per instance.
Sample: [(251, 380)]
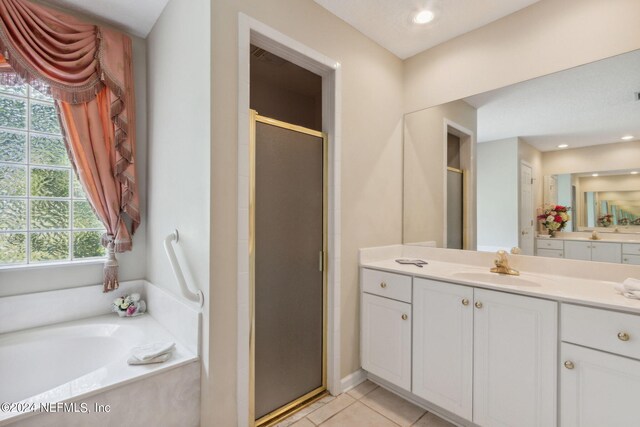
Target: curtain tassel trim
[(110, 276)]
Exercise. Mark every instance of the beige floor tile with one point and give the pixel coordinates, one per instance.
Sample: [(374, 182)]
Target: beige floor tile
[(358, 415), (362, 389), (432, 420), (303, 423), (393, 407), (300, 414), (326, 399), (330, 409)]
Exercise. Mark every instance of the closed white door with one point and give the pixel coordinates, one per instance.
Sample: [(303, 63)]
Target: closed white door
[(526, 210), (515, 356), (577, 250), (443, 345), (606, 252), (386, 339), (598, 389)]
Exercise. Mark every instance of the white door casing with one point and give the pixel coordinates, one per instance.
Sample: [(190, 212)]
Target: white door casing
[(526, 220)]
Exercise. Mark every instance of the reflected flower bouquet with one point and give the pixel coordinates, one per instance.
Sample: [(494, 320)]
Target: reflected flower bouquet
[(605, 220), (555, 218)]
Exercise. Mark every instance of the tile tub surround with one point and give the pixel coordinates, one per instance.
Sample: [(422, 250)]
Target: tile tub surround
[(18, 312), (364, 405), (180, 317), (171, 398), (582, 282)]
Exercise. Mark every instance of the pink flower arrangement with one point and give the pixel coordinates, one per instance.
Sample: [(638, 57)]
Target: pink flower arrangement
[(555, 217)]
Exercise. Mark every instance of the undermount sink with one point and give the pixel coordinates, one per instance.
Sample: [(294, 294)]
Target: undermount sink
[(500, 279)]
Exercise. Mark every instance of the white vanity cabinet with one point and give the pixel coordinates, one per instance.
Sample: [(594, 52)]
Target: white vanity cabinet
[(443, 345), (515, 353), (386, 328), (593, 251), (600, 379), (486, 356)]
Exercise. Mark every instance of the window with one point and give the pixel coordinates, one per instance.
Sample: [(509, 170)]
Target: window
[(44, 214)]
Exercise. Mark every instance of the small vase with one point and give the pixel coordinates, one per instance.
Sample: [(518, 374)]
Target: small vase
[(552, 233)]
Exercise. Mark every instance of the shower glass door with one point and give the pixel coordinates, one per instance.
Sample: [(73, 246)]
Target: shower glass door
[(288, 240)]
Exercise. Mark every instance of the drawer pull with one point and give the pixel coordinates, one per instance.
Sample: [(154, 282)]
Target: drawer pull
[(383, 285), (405, 317), (478, 304), (569, 364), (623, 336), (465, 301)]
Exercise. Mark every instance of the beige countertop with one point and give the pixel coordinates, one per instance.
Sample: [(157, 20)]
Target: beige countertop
[(557, 287)]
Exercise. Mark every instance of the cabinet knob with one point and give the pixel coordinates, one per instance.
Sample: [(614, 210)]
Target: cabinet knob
[(405, 317), (623, 336), (569, 364), (478, 304), (465, 301), (383, 285)]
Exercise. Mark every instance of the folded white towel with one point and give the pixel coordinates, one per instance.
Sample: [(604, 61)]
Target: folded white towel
[(631, 284), (158, 359), (150, 351), (630, 288)]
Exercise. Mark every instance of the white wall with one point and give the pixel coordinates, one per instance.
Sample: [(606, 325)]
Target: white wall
[(424, 169), (498, 194), (596, 158), (37, 278), (371, 168), (179, 59), (546, 37)]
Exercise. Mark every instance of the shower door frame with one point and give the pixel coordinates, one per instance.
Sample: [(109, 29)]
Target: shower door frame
[(322, 262), (252, 31)]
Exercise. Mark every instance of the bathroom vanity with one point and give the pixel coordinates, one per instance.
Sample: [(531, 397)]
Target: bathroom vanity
[(605, 250), (494, 350)]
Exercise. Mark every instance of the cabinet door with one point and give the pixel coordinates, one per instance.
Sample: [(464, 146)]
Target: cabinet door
[(515, 357), (386, 339), (577, 250), (598, 389), (442, 345), (606, 252)]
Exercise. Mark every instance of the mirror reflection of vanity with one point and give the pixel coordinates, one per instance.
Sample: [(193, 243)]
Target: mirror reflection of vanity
[(571, 138)]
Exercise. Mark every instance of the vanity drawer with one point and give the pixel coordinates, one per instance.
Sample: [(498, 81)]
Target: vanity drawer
[(390, 285), (631, 259), (631, 248), (606, 330), (551, 253), (550, 244)]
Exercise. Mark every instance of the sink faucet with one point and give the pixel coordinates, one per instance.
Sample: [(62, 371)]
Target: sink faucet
[(502, 265)]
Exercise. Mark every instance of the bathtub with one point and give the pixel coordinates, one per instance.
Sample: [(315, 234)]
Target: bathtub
[(85, 361)]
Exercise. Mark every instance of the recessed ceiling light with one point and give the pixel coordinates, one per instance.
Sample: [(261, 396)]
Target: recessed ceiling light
[(594, 174), (423, 17), (627, 137), (634, 172), (563, 145)]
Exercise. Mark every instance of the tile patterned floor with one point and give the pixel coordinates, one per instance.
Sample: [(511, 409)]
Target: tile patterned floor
[(366, 405)]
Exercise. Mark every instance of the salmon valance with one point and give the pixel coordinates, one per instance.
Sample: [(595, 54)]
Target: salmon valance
[(88, 71)]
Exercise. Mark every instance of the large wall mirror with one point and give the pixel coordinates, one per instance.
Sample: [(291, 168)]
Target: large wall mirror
[(480, 172)]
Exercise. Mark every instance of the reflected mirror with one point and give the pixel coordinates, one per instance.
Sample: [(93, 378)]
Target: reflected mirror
[(533, 165)]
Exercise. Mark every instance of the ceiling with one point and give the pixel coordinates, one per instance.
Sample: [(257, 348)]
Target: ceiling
[(136, 17), (390, 22), (588, 105)]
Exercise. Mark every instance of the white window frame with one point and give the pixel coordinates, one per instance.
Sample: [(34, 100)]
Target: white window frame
[(28, 166)]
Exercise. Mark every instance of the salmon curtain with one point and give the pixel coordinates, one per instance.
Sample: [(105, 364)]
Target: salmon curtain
[(87, 69)]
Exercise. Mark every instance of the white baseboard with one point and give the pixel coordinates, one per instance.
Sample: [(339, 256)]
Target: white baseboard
[(352, 380)]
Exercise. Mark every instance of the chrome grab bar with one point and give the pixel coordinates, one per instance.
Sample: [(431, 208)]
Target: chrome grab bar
[(177, 271)]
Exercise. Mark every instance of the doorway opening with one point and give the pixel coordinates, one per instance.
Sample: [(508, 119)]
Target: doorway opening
[(287, 238), (459, 230)]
